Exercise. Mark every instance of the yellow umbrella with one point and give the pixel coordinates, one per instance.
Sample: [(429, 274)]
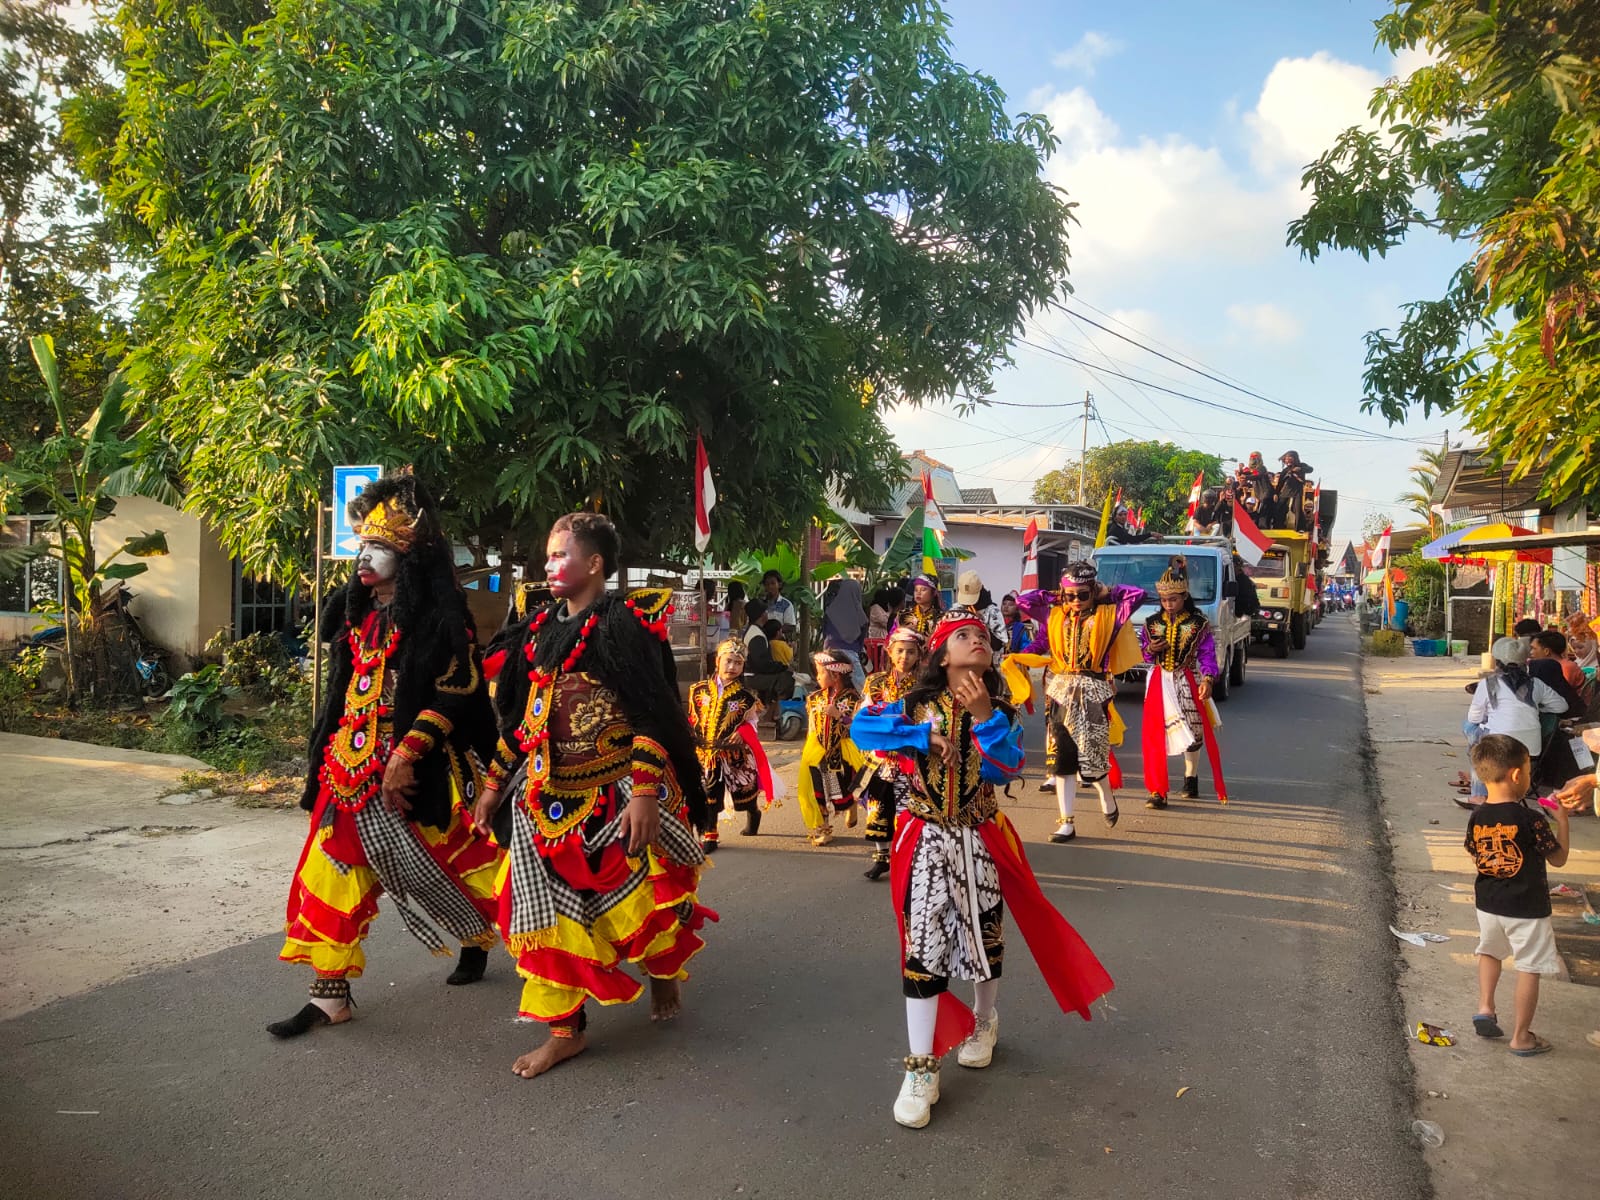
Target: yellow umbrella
[(1497, 532)]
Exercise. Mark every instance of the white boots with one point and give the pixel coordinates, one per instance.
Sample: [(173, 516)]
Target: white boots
[(919, 1091)]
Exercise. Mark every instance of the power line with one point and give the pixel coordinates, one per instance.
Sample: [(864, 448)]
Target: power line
[(1238, 387)]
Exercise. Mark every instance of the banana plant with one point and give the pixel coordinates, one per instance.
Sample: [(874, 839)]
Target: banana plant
[(902, 557), (77, 474)]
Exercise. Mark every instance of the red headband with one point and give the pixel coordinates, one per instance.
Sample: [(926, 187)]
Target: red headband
[(948, 626)]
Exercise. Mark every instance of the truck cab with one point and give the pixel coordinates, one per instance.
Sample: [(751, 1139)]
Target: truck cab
[(1281, 582), (1212, 583)]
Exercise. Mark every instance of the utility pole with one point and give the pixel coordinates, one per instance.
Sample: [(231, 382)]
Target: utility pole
[(1083, 455)]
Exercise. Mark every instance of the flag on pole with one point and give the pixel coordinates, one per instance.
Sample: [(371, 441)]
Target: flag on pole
[(705, 495), (1249, 541), (1380, 552), (1105, 522), (933, 530), (1316, 519), (1119, 498), (1194, 494), (1030, 555)]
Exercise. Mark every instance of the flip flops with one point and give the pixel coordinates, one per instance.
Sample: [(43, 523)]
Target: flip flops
[(1485, 1026), (1540, 1046)]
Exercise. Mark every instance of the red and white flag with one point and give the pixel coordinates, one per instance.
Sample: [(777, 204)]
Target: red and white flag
[(1249, 541), (705, 495), (1030, 555), (1316, 518), (1380, 552)]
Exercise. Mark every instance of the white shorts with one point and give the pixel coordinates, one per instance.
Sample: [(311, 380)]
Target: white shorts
[(1529, 940)]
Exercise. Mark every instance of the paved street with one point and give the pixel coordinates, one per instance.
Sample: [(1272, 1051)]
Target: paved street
[(1248, 946)]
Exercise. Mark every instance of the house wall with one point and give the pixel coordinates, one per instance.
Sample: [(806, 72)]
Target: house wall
[(996, 555), (186, 596)]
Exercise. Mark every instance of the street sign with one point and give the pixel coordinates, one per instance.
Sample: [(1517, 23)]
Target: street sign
[(348, 483)]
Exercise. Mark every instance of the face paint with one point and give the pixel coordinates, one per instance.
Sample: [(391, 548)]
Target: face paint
[(566, 567), (376, 563)]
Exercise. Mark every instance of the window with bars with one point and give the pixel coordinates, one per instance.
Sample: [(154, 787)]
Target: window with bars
[(38, 584), (261, 607)]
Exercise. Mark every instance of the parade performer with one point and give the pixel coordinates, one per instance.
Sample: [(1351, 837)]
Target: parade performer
[(884, 778), (396, 761), (1085, 641), (829, 761), (1178, 715), (958, 863), (1294, 493), (733, 764), (922, 614), (595, 793)]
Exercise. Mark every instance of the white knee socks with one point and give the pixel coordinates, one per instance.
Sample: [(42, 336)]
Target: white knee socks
[(1102, 788), (921, 1013), (1066, 787), (1191, 764), (985, 994)]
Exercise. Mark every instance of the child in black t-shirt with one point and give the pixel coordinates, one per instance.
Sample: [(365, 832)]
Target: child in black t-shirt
[(1511, 844)]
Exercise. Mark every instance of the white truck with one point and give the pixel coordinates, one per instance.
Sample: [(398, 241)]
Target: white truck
[(1212, 582)]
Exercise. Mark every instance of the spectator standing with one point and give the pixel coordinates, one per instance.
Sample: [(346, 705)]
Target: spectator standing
[(779, 608), (1511, 845)]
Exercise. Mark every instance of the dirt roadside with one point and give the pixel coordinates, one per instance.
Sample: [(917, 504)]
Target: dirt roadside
[(1512, 1127)]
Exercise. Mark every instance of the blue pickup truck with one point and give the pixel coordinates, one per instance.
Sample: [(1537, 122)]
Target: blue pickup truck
[(1212, 582)]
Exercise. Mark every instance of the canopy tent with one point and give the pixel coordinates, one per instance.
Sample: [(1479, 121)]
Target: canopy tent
[(1460, 546)]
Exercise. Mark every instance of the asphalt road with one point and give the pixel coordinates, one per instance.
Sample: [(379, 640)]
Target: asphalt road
[(1247, 942)]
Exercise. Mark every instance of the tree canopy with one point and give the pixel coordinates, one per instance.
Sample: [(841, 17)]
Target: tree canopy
[(57, 269), (1154, 475), (1496, 143), (530, 247)]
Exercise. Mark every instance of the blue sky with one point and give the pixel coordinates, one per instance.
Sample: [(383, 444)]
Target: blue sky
[(1185, 128)]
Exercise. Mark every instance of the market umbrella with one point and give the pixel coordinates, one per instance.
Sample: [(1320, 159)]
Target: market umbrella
[(1499, 531)]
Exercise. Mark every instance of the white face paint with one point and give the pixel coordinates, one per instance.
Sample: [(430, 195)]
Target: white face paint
[(376, 563)]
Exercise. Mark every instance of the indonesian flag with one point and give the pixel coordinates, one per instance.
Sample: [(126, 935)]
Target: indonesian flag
[(1316, 517), (933, 529), (1194, 494), (1249, 541), (705, 495), (1380, 552), (1030, 556)]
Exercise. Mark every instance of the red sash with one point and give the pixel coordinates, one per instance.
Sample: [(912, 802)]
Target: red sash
[(1153, 741)]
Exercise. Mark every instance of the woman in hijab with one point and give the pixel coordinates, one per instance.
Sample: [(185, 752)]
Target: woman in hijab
[(844, 624)]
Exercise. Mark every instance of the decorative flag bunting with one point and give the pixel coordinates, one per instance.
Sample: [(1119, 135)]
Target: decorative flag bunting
[(705, 495), (933, 530), (1249, 541), (1030, 555), (1105, 522)]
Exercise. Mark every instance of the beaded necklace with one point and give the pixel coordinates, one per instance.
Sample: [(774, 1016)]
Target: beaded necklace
[(352, 768), (533, 735)]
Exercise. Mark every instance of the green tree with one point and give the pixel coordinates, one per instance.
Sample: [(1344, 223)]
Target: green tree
[(531, 247), (1496, 143), (57, 269), (1154, 475)]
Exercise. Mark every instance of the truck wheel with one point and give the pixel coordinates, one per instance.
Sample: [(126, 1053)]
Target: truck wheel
[(1219, 685), (1297, 630), (1280, 643), (1241, 655)]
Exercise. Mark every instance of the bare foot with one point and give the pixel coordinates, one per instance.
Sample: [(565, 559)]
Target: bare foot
[(666, 999), (555, 1051)]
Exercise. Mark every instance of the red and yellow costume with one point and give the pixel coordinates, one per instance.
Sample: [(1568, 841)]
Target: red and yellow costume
[(589, 722)]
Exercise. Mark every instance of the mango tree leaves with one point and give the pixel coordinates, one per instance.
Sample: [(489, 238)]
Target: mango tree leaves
[(532, 248)]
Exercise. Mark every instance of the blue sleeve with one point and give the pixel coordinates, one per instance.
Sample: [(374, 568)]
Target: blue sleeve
[(1000, 739), (884, 727)]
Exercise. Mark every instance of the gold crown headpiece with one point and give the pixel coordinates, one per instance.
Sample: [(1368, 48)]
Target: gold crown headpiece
[(1174, 580), (389, 522)]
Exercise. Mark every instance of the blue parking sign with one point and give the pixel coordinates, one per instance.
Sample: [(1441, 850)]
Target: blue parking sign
[(348, 483)]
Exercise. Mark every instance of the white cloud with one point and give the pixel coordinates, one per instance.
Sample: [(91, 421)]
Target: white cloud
[(1305, 104), (1265, 322), (1089, 50)]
